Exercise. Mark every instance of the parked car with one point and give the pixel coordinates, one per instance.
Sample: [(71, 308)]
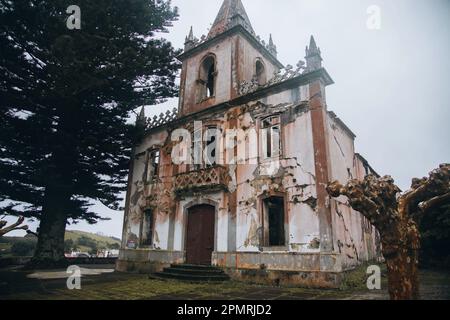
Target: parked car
[(83, 255)]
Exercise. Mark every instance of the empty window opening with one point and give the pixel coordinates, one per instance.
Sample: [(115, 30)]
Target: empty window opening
[(260, 73), (207, 78), (271, 133), (154, 157), (274, 222), (147, 228), (210, 82)]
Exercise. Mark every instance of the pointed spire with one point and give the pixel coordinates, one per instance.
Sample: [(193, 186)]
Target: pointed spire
[(312, 44), (231, 13), (312, 49), (271, 41), (189, 43), (191, 34), (141, 119), (313, 56), (272, 47)]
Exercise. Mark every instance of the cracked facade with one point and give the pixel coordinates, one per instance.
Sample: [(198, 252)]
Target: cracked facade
[(271, 226)]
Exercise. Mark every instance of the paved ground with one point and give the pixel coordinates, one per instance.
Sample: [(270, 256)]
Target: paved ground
[(101, 283)]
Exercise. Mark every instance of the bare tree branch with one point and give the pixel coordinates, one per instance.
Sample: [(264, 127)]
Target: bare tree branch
[(14, 226), (435, 202)]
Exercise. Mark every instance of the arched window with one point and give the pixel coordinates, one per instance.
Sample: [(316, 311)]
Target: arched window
[(207, 78), (260, 72)]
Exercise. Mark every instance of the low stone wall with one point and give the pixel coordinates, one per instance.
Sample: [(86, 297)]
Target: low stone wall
[(147, 261), (306, 279), (20, 261), (280, 261), (318, 270), (315, 270)]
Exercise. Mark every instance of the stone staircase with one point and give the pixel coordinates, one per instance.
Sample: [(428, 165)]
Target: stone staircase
[(191, 273)]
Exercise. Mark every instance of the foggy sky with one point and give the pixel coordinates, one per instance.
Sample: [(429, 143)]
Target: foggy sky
[(391, 85)]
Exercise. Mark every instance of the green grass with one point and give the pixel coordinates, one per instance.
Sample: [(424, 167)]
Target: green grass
[(139, 287), (5, 246), (357, 278)]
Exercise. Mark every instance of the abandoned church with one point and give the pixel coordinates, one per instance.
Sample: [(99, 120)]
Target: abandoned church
[(255, 205)]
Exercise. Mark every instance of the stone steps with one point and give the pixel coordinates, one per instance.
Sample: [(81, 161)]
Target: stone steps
[(192, 273)]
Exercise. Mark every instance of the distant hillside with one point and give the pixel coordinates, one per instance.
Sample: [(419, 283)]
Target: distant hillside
[(89, 242), (74, 240), (101, 240)]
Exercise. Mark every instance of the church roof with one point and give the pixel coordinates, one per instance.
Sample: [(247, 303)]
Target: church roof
[(231, 13)]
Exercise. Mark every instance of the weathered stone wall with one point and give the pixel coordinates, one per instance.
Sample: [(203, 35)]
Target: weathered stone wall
[(247, 61), (235, 62), (353, 237)]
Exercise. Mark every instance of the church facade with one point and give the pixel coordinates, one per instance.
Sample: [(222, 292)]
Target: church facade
[(236, 176)]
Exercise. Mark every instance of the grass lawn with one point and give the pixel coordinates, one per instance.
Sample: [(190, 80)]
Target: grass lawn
[(119, 286)]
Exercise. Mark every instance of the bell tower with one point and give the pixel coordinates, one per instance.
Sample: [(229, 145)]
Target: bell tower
[(215, 65)]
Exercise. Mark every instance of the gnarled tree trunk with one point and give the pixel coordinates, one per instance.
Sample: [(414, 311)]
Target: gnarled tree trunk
[(397, 216)]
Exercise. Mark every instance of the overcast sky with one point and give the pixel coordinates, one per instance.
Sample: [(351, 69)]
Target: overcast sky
[(391, 85)]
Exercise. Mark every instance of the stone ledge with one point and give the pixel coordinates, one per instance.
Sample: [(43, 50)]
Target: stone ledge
[(308, 279), (279, 261)]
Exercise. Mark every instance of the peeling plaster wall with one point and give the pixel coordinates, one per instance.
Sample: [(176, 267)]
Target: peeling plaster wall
[(136, 203), (371, 236), (248, 60), (304, 223), (142, 195), (295, 179), (351, 239), (222, 92)]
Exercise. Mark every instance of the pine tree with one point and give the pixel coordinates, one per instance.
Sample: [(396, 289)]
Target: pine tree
[(65, 98)]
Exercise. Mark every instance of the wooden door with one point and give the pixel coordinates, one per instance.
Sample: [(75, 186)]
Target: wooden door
[(200, 235)]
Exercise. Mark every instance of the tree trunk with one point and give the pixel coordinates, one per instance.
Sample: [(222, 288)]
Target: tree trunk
[(396, 216), (400, 249), (402, 269), (50, 247)]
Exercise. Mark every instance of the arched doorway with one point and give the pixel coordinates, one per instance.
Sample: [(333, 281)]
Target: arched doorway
[(200, 234)]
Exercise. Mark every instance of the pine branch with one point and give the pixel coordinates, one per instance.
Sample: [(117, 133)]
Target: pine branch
[(14, 226)]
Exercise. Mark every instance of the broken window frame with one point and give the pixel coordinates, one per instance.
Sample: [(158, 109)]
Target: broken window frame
[(267, 242), (271, 142), (152, 165), (147, 228), (201, 137), (207, 78)]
